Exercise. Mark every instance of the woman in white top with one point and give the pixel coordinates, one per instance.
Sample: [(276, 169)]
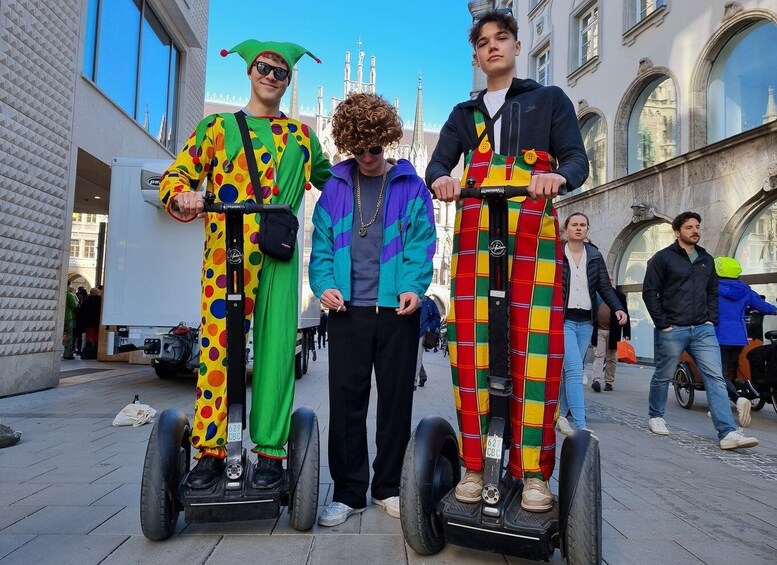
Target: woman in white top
[(585, 275)]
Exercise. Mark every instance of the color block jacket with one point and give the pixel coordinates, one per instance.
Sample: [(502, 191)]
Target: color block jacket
[(409, 236)]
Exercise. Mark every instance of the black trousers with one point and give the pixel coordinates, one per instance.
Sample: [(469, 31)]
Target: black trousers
[(729, 357), (359, 340)]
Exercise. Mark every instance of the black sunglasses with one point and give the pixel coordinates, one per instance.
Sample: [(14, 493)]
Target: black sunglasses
[(376, 150), (278, 72)]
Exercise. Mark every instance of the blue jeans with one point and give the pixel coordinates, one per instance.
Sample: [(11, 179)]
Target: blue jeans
[(702, 345), (577, 336)]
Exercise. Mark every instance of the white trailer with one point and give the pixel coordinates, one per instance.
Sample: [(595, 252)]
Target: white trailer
[(153, 269)]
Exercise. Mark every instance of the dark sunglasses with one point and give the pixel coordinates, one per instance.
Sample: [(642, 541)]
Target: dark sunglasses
[(376, 150), (278, 72)]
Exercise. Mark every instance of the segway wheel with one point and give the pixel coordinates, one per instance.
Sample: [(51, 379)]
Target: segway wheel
[(683, 386), (582, 534), (430, 470), (757, 403), (166, 463), (165, 370), (304, 463)]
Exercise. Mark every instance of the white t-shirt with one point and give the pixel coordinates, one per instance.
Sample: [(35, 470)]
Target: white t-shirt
[(494, 99), (578, 281)]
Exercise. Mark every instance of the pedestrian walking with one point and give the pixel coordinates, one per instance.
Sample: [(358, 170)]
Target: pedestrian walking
[(681, 294), (429, 336), (608, 332)]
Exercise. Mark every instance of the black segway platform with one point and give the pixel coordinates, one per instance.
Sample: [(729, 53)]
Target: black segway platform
[(431, 515), (164, 491)]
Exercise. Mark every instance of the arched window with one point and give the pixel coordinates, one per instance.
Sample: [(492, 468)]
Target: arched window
[(757, 252), (594, 134), (653, 125), (740, 92), (631, 274)]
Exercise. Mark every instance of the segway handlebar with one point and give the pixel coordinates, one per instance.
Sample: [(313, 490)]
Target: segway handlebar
[(246, 207), (486, 192)]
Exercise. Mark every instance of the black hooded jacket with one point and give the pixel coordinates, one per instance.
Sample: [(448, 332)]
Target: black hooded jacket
[(537, 117), (680, 293)]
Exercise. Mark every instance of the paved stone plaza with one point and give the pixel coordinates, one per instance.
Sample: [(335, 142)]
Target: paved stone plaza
[(69, 491)]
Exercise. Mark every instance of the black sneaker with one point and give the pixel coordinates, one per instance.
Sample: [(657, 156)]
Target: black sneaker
[(608, 387), (597, 386), (268, 472), (206, 473), (421, 382)]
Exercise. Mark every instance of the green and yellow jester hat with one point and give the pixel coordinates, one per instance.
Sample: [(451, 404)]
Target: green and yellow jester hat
[(727, 267), (250, 49)]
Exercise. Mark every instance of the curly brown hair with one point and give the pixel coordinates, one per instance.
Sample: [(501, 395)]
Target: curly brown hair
[(365, 120)]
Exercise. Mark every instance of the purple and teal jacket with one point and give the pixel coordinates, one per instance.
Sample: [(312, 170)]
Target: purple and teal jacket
[(409, 235)]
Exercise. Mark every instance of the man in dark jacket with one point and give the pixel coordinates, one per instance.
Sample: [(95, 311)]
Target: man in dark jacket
[(605, 341), (501, 133), (681, 293)]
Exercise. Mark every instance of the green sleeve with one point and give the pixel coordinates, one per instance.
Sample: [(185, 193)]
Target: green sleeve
[(320, 169)]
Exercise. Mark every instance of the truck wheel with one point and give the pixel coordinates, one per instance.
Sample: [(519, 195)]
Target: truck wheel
[(167, 461), (582, 537), (683, 386), (298, 366), (305, 352), (430, 470), (303, 469), (165, 370)]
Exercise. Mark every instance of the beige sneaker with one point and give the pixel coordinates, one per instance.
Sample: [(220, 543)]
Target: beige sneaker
[(743, 411), (562, 425), (536, 496), (470, 487)]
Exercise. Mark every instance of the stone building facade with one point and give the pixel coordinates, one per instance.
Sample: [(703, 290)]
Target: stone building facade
[(676, 104), (65, 113)]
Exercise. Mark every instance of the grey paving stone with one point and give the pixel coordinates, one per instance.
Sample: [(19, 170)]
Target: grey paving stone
[(635, 552), (291, 550), (58, 520), (190, 550), (376, 521), (10, 493), (73, 474), (9, 543), (247, 527), (125, 522), (365, 548), (351, 526), (11, 514), (730, 552), (121, 495), (455, 554), (652, 525), (65, 549), (68, 495)]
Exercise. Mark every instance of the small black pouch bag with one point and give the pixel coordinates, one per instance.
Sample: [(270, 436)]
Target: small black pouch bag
[(277, 230)]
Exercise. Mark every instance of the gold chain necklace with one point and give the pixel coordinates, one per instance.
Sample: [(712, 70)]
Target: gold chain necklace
[(363, 228)]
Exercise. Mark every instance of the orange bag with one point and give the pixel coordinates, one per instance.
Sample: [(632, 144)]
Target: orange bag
[(626, 353)]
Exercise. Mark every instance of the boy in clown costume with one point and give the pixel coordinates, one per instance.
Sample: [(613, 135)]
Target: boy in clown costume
[(534, 126), (290, 160)]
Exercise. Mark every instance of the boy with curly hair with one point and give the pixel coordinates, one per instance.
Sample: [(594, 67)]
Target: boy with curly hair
[(373, 243)]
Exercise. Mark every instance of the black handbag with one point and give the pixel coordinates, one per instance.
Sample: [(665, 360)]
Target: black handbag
[(277, 235)]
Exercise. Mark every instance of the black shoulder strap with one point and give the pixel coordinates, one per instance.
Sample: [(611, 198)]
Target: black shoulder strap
[(491, 123), (253, 169)]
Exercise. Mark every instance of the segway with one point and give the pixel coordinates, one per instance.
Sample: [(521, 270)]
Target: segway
[(431, 515), (164, 492)]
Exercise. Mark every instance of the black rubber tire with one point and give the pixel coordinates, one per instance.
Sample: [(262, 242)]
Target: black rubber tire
[(165, 370), (683, 386), (303, 487), (430, 469), (583, 534), (298, 366), (159, 507), (305, 352), (757, 403), (774, 401)]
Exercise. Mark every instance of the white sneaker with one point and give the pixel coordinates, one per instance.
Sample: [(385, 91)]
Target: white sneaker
[(390, 505), (336, 513), (743, 411), (734, 440), (562, 425), (658, 426), (585, 379)]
